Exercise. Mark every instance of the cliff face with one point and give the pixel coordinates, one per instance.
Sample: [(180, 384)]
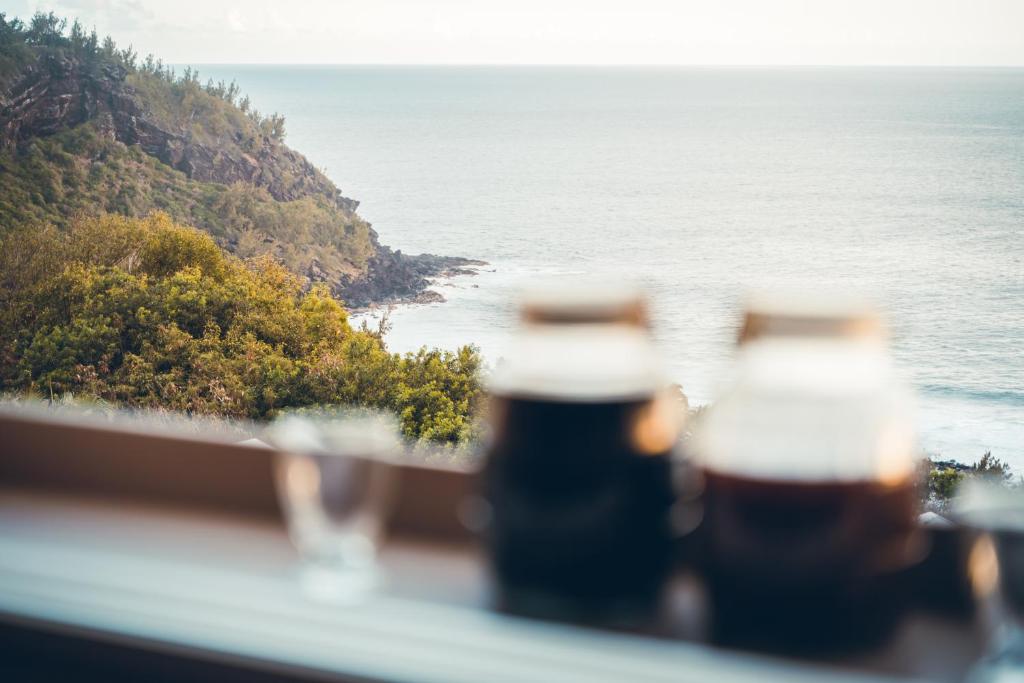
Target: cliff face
[(210, 142), (59, 92)]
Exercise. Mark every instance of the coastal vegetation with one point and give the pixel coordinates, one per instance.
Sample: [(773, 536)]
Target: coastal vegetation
[(87, 127), (942, 478), (161, 247), (147, 313), (82, 171)]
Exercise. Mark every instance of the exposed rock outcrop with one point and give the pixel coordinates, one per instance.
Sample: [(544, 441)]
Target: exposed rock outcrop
[(57, 92), (392, 277), (60, 92)]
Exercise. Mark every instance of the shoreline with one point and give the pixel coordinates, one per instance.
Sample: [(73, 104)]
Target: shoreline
[(959, 428), (442, 267)]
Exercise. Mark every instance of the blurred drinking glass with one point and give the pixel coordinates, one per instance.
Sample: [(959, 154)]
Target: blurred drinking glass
[(333, 480), (996, 569)]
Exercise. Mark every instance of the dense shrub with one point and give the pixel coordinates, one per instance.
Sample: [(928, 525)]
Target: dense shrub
[(149, 313), (943, 478)]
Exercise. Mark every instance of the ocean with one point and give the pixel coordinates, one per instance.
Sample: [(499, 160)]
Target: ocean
[(905, 184)]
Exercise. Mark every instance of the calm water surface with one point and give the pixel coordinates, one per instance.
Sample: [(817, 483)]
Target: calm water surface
[(905, 184)]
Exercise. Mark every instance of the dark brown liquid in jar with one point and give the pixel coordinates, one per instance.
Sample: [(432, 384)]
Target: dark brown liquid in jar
[(580, 525), (578, 470), (806, 565), (810, 494)]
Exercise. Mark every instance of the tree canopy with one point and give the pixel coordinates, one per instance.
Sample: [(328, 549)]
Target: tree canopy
[(150, 313), (21, 43)]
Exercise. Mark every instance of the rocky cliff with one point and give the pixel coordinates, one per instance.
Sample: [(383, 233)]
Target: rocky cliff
[(215, 145), (60, 92)]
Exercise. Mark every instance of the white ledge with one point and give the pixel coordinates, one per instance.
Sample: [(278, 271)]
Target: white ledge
[(224, 590)]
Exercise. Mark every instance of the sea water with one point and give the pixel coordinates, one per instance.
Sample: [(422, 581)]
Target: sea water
[(906, 184)]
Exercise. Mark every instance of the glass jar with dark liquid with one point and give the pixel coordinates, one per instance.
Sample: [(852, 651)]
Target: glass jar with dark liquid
[(578, 470), (810, 493)]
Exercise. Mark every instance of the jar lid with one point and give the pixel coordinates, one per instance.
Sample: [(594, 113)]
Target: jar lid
[(579, 363), (815, 396), (581, 339), (583, 301), (806, 314)]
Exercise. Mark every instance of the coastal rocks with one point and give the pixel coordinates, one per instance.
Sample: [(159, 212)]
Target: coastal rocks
[(428, 296), (396, 277), (50, 96)]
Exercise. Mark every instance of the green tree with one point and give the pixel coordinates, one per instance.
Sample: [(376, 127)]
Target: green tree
[(149, 313), (992, 467), (942, 483)]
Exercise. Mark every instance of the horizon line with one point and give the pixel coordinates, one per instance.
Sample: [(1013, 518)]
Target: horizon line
[(651, 65)]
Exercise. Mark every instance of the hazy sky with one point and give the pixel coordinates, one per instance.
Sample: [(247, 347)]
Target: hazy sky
[(559, 31)]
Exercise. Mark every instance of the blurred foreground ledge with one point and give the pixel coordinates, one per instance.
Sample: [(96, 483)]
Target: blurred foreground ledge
[(138, 549)]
